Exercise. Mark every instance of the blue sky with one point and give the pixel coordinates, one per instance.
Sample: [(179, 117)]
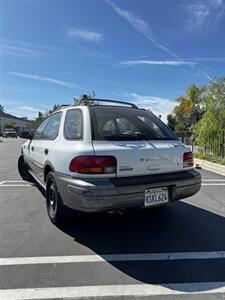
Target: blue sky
[(144, 51)]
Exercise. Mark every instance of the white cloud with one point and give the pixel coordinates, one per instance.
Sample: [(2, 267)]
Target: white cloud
[(206, 75), (207, 59), (23, 111), (157, 62), (198, 13), (189, 62), (19, 48), (158, 105), (85, 35), (29, 109), (217, 2), (203, 14), (141, 26), (45, 79)]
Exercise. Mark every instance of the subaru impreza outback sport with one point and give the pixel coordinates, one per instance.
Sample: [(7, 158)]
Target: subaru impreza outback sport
[(106, 157)]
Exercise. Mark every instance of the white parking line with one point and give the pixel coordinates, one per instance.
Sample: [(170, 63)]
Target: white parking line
[(135, 290), (2, 182), (205, 180), (16, 185), (111, 257), (213, 184)]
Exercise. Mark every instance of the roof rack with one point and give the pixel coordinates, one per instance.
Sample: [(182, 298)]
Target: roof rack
[(95, 102), (62, 106)]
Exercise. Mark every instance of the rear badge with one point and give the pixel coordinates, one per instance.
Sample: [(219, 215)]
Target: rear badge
[(125, 168), (154, 158)]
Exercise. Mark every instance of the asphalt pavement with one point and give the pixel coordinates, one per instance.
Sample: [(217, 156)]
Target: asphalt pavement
[(171, 252)]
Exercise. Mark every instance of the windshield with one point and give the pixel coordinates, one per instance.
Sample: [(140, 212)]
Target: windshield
[(120, 123)]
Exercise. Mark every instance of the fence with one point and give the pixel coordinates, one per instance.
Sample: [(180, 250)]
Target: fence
[(213, 143)]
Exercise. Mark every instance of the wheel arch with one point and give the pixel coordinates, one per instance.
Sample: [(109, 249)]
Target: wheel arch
[(47, 168)]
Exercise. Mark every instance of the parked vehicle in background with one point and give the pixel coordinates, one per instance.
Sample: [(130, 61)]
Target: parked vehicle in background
[(25, 134), (102, 157), (9, 132)]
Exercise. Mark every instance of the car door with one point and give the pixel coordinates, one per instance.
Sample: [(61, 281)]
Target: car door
[(33, 145), (46, 143)]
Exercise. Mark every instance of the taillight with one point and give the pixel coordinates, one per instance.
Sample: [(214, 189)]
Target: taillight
[(188, 160), (93, 164)]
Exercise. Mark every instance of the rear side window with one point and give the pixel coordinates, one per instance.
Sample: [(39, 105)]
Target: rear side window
[(52, 129), (39, 131), (73, 125), (115, 123)]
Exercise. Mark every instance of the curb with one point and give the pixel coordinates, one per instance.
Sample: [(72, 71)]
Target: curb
[(210, 166)]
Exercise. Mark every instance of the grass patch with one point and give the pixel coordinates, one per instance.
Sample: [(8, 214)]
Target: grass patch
[(212, 158)]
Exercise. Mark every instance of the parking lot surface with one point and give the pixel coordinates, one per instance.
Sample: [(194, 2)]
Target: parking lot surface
[(171, 252)]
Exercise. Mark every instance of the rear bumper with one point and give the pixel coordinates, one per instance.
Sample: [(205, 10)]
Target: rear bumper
[(95, 195)]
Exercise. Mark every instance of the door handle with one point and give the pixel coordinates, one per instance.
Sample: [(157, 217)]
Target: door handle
[(46, 151), (32, 148)]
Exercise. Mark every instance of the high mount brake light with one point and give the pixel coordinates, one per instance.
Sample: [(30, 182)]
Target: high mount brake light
[(188, 160), (92, 164)]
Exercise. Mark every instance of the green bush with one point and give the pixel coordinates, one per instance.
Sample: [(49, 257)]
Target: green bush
[(212, 158)]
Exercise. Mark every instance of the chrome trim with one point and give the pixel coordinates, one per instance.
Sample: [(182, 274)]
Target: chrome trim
[(37, 179)]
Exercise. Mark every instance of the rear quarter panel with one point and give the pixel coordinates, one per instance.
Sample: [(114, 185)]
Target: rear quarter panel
[(65, 150)]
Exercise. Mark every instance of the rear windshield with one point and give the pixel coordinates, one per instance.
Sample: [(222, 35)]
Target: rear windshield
[(120, 123)]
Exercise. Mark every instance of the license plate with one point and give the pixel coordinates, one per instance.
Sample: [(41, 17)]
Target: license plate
[(156, 196)]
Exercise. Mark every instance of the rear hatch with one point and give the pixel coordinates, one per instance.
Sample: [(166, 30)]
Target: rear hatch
[(142, 158), (141, 143)]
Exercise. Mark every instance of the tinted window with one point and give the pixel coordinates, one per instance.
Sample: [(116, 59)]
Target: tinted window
[(51, 130), (39, 131), (73, 125), (115, 123)]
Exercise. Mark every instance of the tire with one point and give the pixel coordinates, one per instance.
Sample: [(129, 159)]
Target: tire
[(57, 212), (23, 169)]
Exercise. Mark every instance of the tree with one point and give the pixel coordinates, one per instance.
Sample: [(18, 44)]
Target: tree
[(1, 108), (190, 108), (38, 120), (171, 121), (54, 108), (86, 99), (9, 125), (213, 119), (40, 115)]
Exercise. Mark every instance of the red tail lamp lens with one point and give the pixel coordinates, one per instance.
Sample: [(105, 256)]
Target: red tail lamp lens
[(188, 160), (93, 164)]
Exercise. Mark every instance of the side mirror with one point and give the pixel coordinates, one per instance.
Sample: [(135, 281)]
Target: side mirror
[(31, 135)]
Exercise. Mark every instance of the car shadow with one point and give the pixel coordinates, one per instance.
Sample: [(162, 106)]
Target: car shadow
[(178, 227)]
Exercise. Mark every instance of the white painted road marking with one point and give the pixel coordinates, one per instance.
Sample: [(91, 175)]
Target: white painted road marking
[(135, 290), (15, 183), (205, 180), (213, 184), (18, 181), (111, 257)]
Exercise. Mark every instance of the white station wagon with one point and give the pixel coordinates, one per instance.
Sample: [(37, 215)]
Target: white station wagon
[(107, 157)]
